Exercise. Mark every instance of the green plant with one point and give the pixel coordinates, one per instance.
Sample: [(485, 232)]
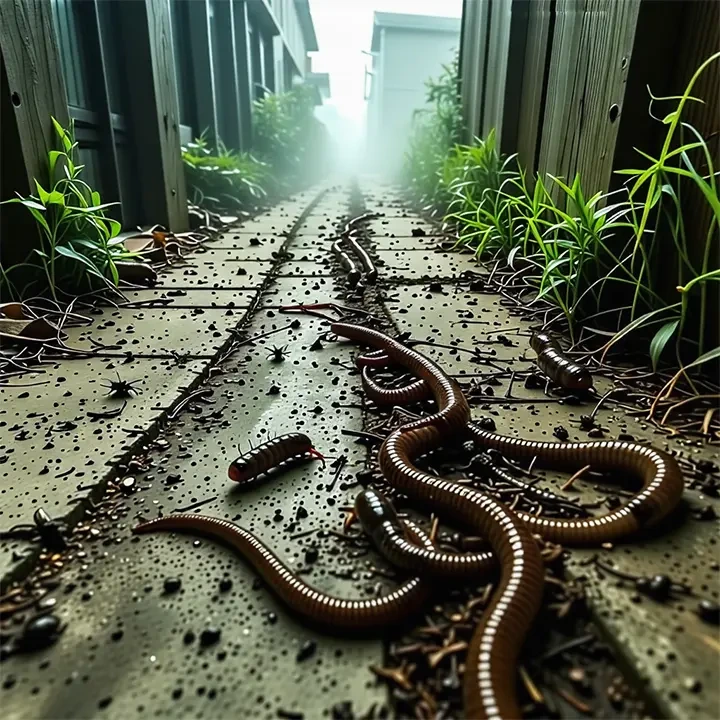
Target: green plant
[(682, 166), (286, 135), (78, 242), (428, 167), (225, 180)]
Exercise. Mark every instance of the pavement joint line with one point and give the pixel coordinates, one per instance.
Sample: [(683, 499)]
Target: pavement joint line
[(95, 493)]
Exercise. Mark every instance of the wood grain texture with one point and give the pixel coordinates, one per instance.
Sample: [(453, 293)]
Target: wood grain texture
[(531, 96), (202, 66), (37, 90), (591, 46), (154, 112)]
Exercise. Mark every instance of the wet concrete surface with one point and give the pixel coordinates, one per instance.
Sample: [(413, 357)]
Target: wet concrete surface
[(132, 648)]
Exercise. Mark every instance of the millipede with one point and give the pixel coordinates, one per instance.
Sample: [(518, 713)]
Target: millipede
[(270, 454), (557, 367), (347, 264)]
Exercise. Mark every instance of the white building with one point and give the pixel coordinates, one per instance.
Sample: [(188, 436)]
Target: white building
[(407, 50)]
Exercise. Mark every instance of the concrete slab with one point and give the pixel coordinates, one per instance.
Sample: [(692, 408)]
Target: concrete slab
[(244, 246), (295, 290), (321, 225), (255, 668), (399, 227), (154, 331), (307, 268), (420, 264), (215, 275), (190, 298), (428, 242), (51, 448)]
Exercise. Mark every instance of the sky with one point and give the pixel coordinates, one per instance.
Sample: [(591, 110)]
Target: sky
[(344, 30)]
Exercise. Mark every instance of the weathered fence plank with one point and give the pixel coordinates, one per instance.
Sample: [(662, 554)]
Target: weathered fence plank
[(591, 46), (154, 112)]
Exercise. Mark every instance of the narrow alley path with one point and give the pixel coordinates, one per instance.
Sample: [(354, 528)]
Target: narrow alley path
[(169, 625)]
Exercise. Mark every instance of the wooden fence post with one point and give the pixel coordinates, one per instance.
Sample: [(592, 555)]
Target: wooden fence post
[(242, 64), (202, 65), (34, 80), (591, 45), (33, 91), (154, 112)]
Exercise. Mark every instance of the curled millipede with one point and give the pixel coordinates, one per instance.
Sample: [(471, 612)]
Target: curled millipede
[(557, 367), (333, 613), (347, 264), (270, 454), (389, 534)]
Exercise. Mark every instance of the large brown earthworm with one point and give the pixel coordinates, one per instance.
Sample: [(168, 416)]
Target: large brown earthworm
[(388, 532), (333, 613), (557, 367), (269, 455), (489, 685)]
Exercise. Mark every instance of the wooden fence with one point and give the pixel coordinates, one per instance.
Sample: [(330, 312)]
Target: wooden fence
[(563, 82), (137, 77)]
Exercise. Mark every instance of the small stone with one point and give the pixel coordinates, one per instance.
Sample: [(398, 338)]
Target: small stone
[(209, 636), (271, 618), (274, 390), (301, 513), (225, 585), (189, 637), (40, 632), (172, 585), (659, 587), (709, 611), (693, 685), (706, 512), (561, 433), (117, 636), (487, 423), (311, 555), (306, 651)]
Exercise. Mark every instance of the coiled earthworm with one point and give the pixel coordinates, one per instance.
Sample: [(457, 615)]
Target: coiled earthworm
[(415, 391), (388, 533), (347, 264), (659, 472), (333, 613), (489, 685), (557, 367), (270, 454), (370, 271), (350, 225)]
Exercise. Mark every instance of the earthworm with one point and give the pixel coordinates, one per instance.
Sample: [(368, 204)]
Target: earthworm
[(417, 390), (264, 457), (387, 531), (376, 358), (659, 472), (347, 264), (336, 614), (557, 367), (489, 686), (365, 259)]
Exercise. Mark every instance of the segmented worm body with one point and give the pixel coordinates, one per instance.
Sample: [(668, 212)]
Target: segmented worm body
[(493, 651), (270, 454), (662, 484), (557, 367), (347, 264), (334, 613), (388, 533), (411, 393), (370, 271), (376, 358), (489, 686)]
